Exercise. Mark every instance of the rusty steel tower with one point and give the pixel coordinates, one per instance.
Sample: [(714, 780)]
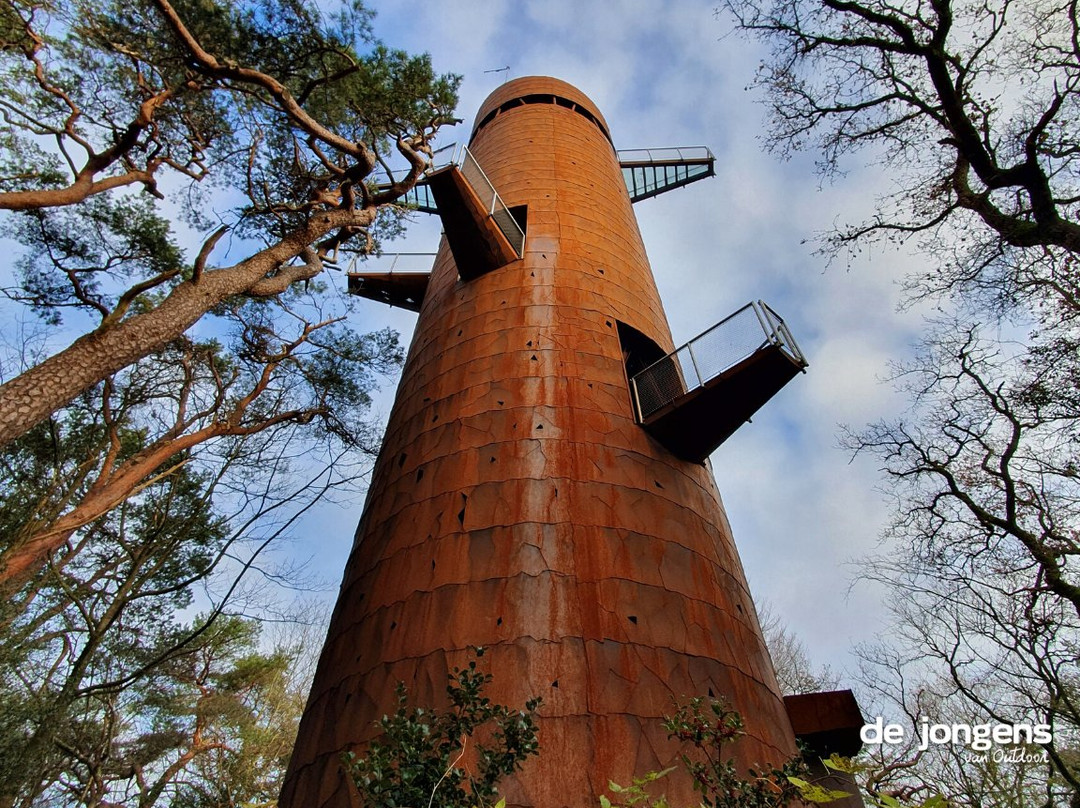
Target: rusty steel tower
[(541, 490)]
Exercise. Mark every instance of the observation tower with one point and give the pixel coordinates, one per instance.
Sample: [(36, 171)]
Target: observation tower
[(541, 490)]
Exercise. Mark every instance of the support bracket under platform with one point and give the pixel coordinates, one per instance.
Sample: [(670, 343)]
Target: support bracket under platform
[(405, 290)]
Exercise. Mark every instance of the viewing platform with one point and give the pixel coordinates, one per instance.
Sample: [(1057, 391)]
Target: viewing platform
[(650, 172), (481, 231), (646, 172), (695, 398), (401, 284)]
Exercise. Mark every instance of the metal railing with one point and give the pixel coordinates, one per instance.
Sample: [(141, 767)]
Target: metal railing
[(735, 338), (669, 154), (419, 197), (497, 210), (475, 176), (650, 172), (378, 263)]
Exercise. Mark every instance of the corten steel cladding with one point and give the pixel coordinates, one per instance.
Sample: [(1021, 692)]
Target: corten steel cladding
[(516, 505)]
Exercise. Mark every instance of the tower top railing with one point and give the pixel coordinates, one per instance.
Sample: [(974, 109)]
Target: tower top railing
[(667, 154)]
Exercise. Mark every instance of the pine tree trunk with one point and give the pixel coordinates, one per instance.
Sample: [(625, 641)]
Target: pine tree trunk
[(37, 393)]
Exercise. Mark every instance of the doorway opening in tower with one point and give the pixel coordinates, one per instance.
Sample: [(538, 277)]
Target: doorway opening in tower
[(639, 352)]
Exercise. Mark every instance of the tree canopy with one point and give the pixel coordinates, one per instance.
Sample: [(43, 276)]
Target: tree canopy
[(290, 129), (109, 696), (289, 111), (146, 467)]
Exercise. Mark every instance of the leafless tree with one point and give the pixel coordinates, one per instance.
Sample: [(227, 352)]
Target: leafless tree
[(796, 672), (971, 107), (982, 564)]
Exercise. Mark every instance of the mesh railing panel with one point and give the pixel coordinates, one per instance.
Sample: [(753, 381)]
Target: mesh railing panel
[(726, 344), (509, 227), (659, 384), (476, 177), (705, 357)]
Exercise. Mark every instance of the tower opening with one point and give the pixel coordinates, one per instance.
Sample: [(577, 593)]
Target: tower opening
[(639, 351)]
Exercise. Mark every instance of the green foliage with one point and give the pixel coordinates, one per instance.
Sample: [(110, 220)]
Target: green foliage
[(105, 692), (80, 257), (104, 689), (637, 792), (245, 395), (304, 128), (178, 468), (247, 704), (812, 792), (78, 71), (414, 762), (709, 725), (54, 464)]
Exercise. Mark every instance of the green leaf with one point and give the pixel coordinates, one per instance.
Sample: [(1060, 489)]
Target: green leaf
[(811, 792), (839, 764)]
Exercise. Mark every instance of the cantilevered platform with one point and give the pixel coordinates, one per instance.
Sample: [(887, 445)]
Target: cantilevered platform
[(405, 290), (695, 398), (419, 198), (481, 231), (650, 172)]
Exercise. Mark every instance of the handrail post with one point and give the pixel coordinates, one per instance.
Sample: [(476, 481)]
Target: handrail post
[(765, 322), (793, 344), (693, 361)]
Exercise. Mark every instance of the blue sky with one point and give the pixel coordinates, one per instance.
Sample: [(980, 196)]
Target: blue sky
[(668, 74)]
